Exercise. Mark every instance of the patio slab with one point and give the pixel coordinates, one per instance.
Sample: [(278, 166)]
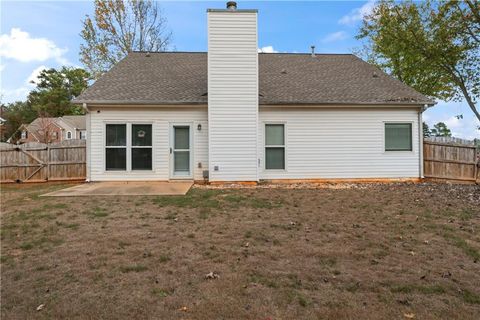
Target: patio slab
[(124, 188)]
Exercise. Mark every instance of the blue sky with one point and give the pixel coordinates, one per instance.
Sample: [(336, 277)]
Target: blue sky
[(38, 34)]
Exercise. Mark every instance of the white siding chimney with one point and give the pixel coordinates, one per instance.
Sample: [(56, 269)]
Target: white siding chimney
[(232, 94)]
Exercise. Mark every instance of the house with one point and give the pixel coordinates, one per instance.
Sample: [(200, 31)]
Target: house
[(48, 130), (233, 114)]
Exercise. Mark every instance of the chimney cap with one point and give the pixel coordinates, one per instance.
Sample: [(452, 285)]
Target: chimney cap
[(231, 5)]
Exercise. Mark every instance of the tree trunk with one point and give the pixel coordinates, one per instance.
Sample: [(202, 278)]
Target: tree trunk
[(470, 102)]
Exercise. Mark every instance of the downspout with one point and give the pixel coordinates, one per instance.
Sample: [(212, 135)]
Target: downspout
[(420, 133), (87, 143)]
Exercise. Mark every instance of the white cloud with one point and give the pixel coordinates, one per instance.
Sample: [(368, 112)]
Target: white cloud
[(11, 95), (18, 94), (33, 77), (20, 46), (335, 36), (357, 14), (267, 49)]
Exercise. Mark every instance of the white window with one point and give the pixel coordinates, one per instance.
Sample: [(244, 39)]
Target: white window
[(275, 146), (54, 135), (138, 145), (24, 134), (141, 146), (83, 134), (398, 136), (69, 135)]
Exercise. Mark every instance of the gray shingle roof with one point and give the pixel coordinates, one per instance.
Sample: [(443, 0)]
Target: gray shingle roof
[(181, 78), (78, 122)]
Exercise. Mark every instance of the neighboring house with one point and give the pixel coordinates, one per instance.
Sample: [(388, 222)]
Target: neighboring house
[(48, 130), (234, 114), (74, 127)]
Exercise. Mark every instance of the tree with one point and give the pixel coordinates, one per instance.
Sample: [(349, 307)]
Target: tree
[(440, 130), (426, 130), (432, 46), (119, 27), (55, 90), (16, 114), (45, 128)]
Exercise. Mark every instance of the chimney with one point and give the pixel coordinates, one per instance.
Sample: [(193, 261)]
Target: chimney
[(313, 51), (232, 5), (232, 93)]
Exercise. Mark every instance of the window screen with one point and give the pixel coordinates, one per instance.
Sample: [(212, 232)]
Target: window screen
[(398, 137), (116, 147), (274, 146), (141, 147), (116, 135)]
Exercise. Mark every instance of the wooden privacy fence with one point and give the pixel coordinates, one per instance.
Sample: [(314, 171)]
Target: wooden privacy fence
[(39, 162), (451, 159), (444, 158)]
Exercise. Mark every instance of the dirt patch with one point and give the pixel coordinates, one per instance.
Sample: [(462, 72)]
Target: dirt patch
[(371, 251)]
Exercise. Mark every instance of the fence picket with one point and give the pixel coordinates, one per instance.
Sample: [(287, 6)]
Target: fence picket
[(37, 162)]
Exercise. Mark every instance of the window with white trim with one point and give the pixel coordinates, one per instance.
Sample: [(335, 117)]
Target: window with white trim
[(275, 146), (128, 147), (83, 134), (24, 134), (398, 136), (116, 147), (69, 135), (141, 147)]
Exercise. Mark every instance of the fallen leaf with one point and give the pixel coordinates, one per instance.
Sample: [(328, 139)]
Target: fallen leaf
[(184, 309), (211, 275), (409, 315), (40, 307)]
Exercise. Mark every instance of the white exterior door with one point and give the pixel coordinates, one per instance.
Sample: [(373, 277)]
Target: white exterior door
[(181, 155)]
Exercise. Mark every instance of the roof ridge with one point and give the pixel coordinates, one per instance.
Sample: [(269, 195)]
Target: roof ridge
[(272, 53)]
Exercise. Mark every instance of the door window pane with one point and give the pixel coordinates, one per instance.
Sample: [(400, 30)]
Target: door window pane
[(116, 135), (141, 159), (274, 135), (398, 136), (141, 135), (181, 161), (275, 158), (116, 158), (182, 138)]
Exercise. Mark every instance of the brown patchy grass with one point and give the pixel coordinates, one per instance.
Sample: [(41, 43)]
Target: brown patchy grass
[(370, 252)]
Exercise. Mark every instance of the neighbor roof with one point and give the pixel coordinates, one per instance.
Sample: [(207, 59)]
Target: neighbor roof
[(181, 78), (78, 122), (40, 124)]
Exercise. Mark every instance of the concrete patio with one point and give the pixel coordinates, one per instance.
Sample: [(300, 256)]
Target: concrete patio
[(126, 188)]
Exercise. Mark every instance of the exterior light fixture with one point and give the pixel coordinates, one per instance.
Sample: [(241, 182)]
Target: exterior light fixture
[(199, 127)]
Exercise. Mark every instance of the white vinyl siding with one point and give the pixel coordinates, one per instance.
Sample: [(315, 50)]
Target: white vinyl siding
[(340, 142), (233, 95), (161, 118)]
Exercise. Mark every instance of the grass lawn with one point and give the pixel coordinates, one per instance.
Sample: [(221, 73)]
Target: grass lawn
[(392, 251)]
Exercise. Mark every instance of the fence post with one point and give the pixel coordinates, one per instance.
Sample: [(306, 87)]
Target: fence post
[(48, 162), (477, 164)]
